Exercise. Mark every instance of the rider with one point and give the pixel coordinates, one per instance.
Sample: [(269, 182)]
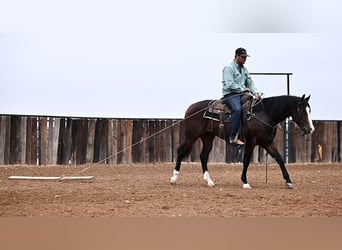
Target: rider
[(236, 81)]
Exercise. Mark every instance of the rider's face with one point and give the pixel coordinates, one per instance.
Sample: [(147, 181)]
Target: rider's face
[(240, 60)]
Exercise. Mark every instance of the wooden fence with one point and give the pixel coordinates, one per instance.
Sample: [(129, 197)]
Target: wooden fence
[(58, 140)]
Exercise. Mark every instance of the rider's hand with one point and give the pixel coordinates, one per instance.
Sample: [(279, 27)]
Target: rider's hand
[(258, 96), (246, 90)]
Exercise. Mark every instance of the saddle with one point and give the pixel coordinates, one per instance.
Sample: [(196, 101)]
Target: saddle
[(218, 111)]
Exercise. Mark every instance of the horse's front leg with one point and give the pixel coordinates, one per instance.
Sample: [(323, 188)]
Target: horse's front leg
[(204, 156), (275, 154), (246, 161), (206, 176)]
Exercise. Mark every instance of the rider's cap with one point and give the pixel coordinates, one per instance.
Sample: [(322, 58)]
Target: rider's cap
[(241, 52)]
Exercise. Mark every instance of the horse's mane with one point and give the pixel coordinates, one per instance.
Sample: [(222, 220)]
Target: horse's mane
[(277, 104)]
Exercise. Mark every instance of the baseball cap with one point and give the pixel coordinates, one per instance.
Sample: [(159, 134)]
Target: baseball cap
[(241, 52)]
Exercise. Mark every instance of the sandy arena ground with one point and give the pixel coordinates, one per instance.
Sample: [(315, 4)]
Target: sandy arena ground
[(145, 191)]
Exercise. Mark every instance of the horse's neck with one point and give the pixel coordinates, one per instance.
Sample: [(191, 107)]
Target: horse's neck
[(281, 117), (276, 112)]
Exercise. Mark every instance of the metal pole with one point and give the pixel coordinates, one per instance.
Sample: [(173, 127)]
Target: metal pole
[(288, 83), (287, 131), (287, 124)]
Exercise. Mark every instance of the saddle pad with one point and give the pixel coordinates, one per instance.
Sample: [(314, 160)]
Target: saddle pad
[(216, 117)]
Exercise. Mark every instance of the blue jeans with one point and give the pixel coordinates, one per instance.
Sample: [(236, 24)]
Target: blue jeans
[(234, 103)]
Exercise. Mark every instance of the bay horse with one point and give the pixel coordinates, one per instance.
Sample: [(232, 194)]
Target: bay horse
[(259, 128)]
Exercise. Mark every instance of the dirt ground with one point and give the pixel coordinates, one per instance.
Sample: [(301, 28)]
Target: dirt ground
[(145, 191)]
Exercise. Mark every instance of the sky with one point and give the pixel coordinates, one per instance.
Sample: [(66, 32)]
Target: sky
[(152, 59)]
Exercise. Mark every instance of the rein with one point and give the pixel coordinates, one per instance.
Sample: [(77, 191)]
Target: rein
[(251, 115), (260, 120)]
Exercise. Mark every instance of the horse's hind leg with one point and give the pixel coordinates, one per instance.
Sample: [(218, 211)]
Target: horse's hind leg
[(207, 141), (275, 154), (183, 150)]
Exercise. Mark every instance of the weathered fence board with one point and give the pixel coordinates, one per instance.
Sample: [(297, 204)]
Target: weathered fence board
[(58, 140), (218, 153), (122, 134), (31, 141), (151, 142), (5, 139), (91, 140), (112, 138), (101, 141), (65, 142), (339, 141), (42, 141), (2, 139), (52, 142), (81, 141), (17, 139)]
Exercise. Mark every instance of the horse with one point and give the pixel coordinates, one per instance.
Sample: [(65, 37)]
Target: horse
[(259, 127)]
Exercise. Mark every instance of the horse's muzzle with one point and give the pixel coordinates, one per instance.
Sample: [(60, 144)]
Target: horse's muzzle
[(307, 130)]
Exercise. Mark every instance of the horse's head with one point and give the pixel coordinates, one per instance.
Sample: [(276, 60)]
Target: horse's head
[(302, 116)]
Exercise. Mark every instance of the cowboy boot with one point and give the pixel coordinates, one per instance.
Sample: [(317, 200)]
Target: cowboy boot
[(236, 141)]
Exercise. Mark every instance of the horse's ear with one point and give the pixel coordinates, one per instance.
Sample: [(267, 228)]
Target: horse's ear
[(307, 98), (303, 97)]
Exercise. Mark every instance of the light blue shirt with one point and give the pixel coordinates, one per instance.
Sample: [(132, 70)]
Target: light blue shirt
[(235, 79)]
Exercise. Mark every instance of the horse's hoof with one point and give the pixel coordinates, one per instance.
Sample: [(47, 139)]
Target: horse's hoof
[(246, 186), (173, 180), (289, 185), (208, 180), (210, 183), (174, 177)]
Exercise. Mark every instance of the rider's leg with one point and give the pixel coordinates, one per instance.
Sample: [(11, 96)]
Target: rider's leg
[(234, 102)]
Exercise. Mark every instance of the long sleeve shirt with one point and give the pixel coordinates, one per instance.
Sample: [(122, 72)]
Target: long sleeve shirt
[(235, 79)]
